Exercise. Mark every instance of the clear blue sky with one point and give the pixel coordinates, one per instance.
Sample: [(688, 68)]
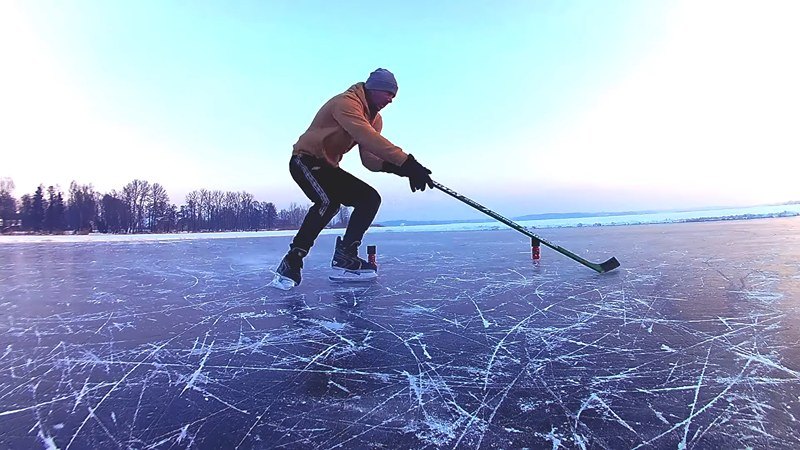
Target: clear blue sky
[(525, 106)]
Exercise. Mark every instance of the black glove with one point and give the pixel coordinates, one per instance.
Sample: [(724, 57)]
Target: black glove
[(418, 176)]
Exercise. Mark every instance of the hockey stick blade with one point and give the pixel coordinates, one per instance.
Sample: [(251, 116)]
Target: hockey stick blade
[(609, 265)]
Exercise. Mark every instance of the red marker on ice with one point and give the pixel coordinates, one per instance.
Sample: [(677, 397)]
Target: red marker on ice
[(535, 249)]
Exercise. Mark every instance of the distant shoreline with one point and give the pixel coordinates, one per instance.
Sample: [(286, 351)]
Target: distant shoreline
[(487, 225), (788, 207)]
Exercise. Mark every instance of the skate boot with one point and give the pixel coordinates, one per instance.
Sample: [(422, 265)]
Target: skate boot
[(349, 267), (288, 273)]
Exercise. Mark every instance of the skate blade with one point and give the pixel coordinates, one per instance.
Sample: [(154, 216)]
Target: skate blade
[(356, 276), (281, 282)]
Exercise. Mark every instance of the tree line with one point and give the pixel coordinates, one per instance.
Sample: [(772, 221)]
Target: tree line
[(143, 207)]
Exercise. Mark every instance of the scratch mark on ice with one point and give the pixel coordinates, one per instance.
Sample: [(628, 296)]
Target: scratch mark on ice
[(498, 346), (486, 323), (197, 372), (106, 323), (701, 410), (49, 443), (333, 383), (182, 436), (682, 444), (119, 382)]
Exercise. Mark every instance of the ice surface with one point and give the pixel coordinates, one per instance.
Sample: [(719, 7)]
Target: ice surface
[(462, 342)]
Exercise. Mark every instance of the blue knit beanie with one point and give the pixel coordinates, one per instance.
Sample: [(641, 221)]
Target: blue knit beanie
[(382, 80)]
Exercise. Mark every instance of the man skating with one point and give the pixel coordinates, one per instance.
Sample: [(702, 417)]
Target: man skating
[(345, 120)]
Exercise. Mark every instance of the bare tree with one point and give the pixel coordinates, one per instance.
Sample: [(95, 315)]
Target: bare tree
[(191, 212), (217, 205), (135, 194), (247, 211), (142, 206), (6, 185), (8, 205), (342, 218), (158, 208), (296, 215), (269, 215), (230, 211), (205, 210), (114, 214)]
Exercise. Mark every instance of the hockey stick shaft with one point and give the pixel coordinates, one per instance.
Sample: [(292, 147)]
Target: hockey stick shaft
[(611, 264)]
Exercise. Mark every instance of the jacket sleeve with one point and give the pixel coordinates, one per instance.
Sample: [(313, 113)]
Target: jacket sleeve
[(348, 113), (370, 161)]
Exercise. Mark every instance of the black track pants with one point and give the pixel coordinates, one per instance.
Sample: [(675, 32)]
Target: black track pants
[(328, 188)]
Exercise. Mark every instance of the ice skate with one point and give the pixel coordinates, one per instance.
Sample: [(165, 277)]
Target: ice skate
[(355, 276), (348, 267), (288, 273)]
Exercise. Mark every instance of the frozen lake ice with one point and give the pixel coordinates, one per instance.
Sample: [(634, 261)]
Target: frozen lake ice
[(462, 342)]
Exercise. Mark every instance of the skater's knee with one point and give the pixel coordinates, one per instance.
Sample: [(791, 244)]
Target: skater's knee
[(370, 202), (374, 198), (325, 208), (370, 199)]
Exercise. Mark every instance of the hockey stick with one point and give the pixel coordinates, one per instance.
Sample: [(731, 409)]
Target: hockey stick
[(611, 264)]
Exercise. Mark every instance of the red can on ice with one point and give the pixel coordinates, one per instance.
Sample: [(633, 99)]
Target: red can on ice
[(535, 249)]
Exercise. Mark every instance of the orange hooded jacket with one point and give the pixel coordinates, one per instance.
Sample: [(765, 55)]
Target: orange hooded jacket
[(343, 122)]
